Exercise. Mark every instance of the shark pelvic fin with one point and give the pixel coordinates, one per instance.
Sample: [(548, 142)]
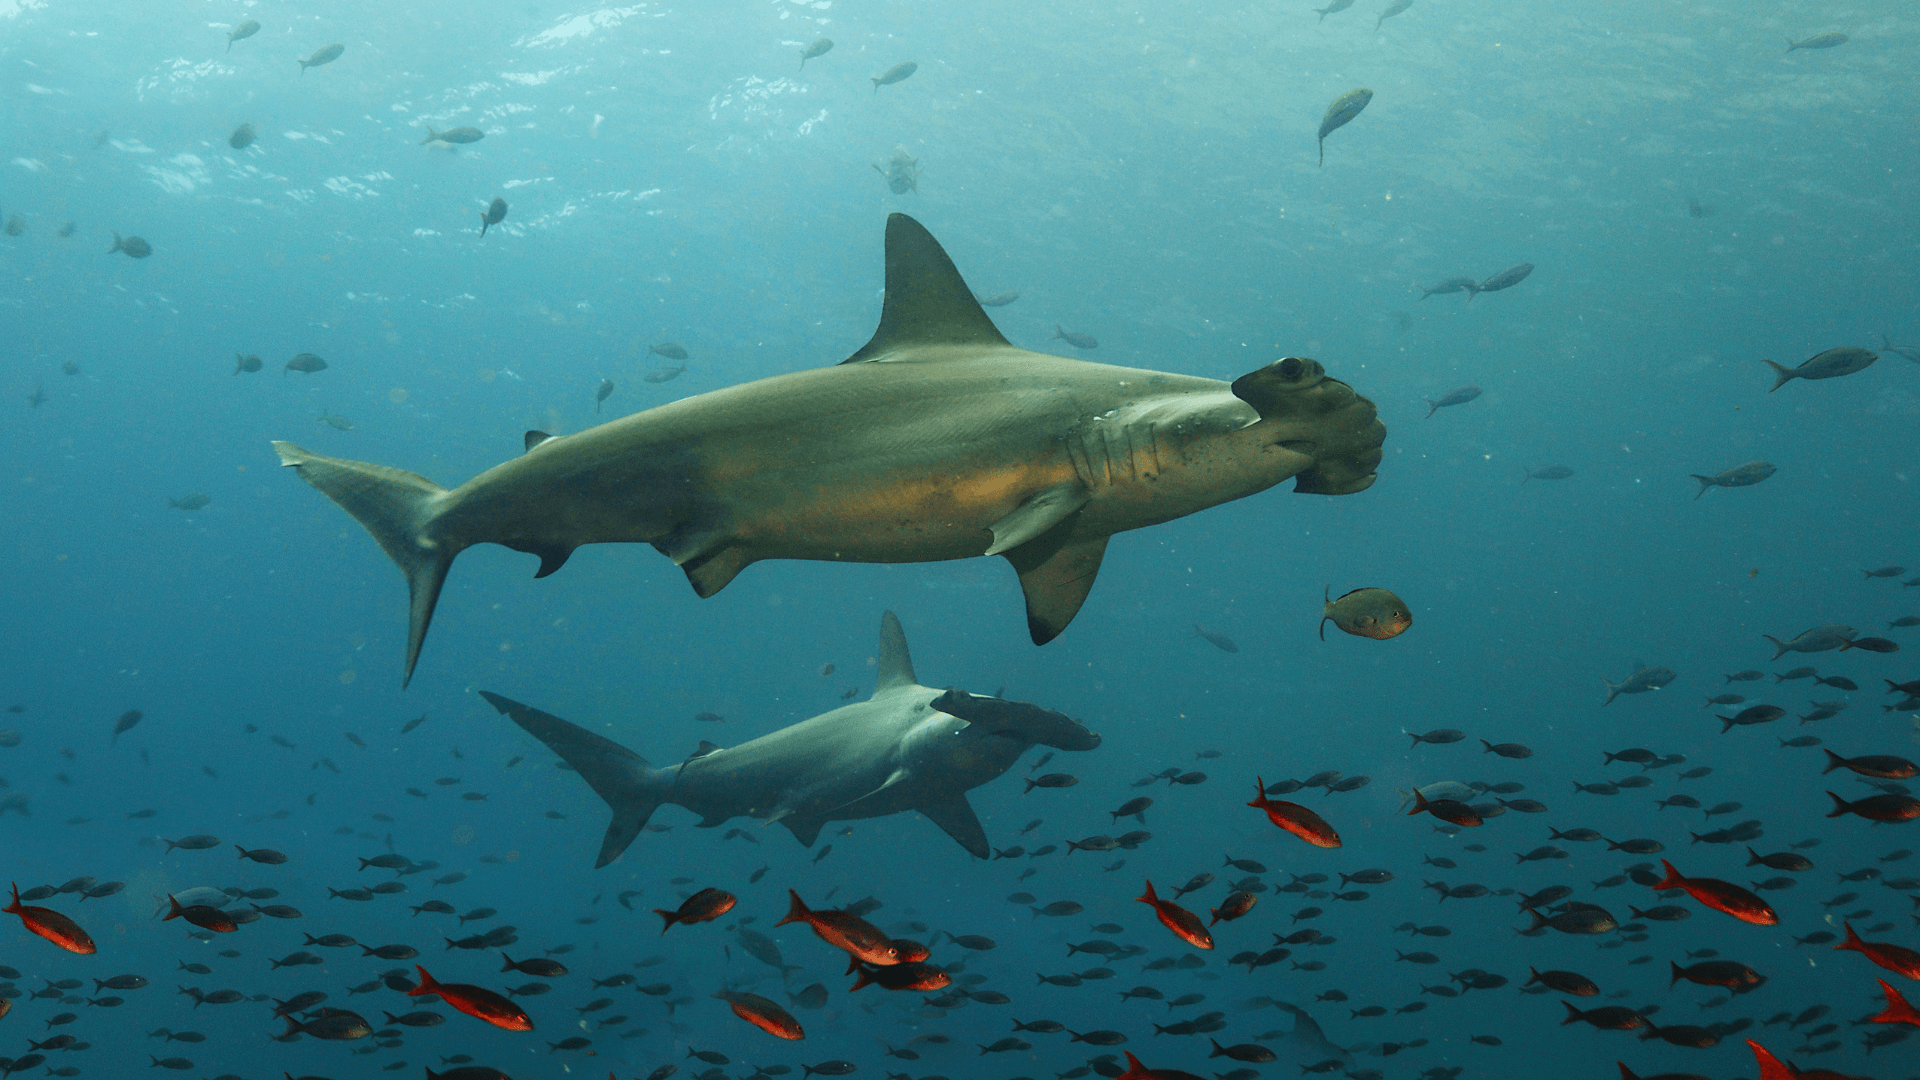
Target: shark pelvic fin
[(1037, 515), (926, 303), (1056, 573), (397, 508), (712, 570), (633, 790), (896, 665), (552, 556), (956, 818), (805, 830)]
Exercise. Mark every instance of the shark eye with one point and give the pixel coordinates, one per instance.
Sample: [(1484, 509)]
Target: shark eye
[(1292, 367)]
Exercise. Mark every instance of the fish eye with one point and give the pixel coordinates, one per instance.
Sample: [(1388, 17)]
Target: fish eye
[(1291, 367)]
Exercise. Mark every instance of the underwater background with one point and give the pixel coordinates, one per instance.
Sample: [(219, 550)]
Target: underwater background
[(1693, 197)]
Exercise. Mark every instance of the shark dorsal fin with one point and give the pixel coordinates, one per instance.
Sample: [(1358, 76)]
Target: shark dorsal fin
[(926, 301), (535, 438), (896, 664), (702, 750)]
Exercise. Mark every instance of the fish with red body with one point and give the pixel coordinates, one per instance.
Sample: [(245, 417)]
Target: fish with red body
[(1448, 810), (703, 906), (1295, 818), (1185, 924), (1892, 957), (51, 925), (763, 1014), (1722, 896), (1137, 1071), (476, 1001), (1236, 905), (204, 916), (1887, 807), (865, 941), (1897, 1010)]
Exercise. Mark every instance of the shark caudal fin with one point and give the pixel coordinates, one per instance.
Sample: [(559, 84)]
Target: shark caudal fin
[(927, 302), (397, 507), (633, 790)]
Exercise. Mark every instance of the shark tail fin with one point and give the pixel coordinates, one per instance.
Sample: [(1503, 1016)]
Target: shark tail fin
[(633, 790), (398, 508)]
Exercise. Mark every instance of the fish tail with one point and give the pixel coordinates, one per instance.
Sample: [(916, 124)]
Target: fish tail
[(1853, 941), (1705, 483), (1834, 761), (796, 909), (1840, 806), (116, 244), (1673, 880), (1782, 374), (1323, 139), (1677, 975), (1779, 645), (1613, 691), (427, 985), (398, 508), (669, 916), (633, 789)]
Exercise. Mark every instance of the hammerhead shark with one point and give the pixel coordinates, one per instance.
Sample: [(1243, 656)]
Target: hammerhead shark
[(937, 440), (908, 747)]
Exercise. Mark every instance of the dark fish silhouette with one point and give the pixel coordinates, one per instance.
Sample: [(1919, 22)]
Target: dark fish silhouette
[(494, 214), (897, 73), (820, 47), (1739, 476), (244, 30), (1341, 112)]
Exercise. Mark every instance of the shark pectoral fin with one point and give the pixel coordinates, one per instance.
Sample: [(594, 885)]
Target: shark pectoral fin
[(956, 818), (1038, 515), (398, 508), (896, 665), (927, 302), (1056, 573), (710, 571)]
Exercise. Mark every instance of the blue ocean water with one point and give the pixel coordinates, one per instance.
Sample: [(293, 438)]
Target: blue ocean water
[(1694, 198)]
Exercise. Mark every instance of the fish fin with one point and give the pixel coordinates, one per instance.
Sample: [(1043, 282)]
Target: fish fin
[(632, 789), (1040, 512), (710, 571), (1782, 375), (956, 818), (552, 556), (805, 830), (1056, 572), (896, 664), (926, 302), (536, 438), (398, 508)]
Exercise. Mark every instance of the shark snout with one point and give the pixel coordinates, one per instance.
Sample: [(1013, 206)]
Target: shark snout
[(1019, 720)]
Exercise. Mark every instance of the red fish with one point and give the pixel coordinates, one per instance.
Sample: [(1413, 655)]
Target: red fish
[(1295, 818), (763, 1014), (1892, 957), (1771, 1068), (1897, 1010), (1721, 896), (843, 931), (204, 916), (1137, 1071), (1450, 810), (910, 950), (1877, 807), (703, 906), (1185, 924), (476, 1001), (1236, 905), (51, 925)]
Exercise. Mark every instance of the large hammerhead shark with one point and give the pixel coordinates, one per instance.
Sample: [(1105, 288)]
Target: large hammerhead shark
[(909, 747), (937, 440)]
